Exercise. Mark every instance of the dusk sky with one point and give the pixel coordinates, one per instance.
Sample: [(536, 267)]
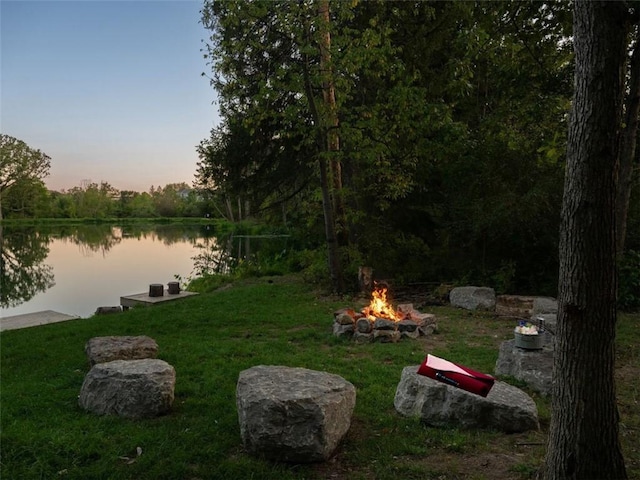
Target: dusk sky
[(111, 90)]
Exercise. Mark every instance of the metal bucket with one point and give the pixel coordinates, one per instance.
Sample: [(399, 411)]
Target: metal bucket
[(529, 342)]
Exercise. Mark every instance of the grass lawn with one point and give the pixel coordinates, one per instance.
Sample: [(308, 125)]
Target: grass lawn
[(210, 339)]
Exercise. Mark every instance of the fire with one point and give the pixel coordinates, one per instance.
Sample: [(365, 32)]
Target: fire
[(380, 307)]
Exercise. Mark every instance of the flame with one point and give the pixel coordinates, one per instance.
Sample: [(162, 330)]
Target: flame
[(380, 307)]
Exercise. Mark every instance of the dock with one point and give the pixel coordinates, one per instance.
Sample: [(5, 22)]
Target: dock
[(143, 299), (33, 319)]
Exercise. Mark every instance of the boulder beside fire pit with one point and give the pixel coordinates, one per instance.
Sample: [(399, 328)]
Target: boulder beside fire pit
[(506, 408), (364, 329), (293, 414)]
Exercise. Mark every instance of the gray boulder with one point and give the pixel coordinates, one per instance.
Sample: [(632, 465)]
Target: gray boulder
[(129, 388), (293, 414), (514, 305), (473, 298), (531, 366), (107, 349), (506, 408), (544, 305)]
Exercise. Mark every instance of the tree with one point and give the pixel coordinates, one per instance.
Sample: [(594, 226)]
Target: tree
[(27, 198), (274, 79), (19, 162), (93, 200), (628, 159), (295, 80), (583, 440)]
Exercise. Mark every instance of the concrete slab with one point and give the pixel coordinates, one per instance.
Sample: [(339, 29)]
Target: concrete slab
[(33, 319), (144, 298)]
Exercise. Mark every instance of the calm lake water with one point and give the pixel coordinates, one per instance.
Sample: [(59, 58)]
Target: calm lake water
[(74, 270)]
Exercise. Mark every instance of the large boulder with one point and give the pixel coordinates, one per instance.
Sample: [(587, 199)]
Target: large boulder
[(108, 349), (543, 305), (506, 408), (129, 388), (514, 305), (531, 366), (293, 414), (473, 298)]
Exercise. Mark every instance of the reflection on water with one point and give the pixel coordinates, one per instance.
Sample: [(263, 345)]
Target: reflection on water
[(23, 273), (76, 269)]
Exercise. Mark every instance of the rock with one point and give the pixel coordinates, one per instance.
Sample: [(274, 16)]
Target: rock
[(363, 337), (407, 326), (428, 329), (293, 414), (473, 298), (107, 349), (341, 330), (129, 388), (384, 324), (544, 305), (414, 315), (344, 319), (531, 366), (405, 308), (348, 311), (422, 319), (386, 336), (408, 334), (514, 305), (363, 325), (506, 408), (108, 310)]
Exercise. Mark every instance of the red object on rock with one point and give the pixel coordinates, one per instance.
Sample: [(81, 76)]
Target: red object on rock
[(456, 375)]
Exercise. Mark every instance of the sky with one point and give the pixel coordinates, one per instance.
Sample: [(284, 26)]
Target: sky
[(111, 90)]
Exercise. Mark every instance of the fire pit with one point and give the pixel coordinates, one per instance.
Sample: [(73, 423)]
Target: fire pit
[(379, 321)]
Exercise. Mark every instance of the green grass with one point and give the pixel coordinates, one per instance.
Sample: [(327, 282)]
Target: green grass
[(210, 339)]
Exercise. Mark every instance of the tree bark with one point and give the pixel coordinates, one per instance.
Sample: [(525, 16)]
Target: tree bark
[(327, 184), (332, 166), (628, 145), (583, 439), (331, 120)]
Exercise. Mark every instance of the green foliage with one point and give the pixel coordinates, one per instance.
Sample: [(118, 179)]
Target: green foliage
[(102, 201), (451, 123), (27, 198), (22, 169)]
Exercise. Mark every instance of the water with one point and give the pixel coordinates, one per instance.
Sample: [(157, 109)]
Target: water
[(75, 270)]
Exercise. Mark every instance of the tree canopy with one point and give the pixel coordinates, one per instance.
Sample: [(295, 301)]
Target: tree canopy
[(449, 130), (20, 164)]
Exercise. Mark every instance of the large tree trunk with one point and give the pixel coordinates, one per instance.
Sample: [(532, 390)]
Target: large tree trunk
[(583, 438), (331, 121), (332, 166), (333, 251), (628, 145), (327, 168)]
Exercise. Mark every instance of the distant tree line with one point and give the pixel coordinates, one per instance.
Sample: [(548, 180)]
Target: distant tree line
[(31, 199)]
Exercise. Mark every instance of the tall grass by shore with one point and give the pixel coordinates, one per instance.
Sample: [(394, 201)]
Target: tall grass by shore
[(210, 339)]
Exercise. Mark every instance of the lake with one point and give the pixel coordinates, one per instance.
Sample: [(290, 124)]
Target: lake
[(75, 270)]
